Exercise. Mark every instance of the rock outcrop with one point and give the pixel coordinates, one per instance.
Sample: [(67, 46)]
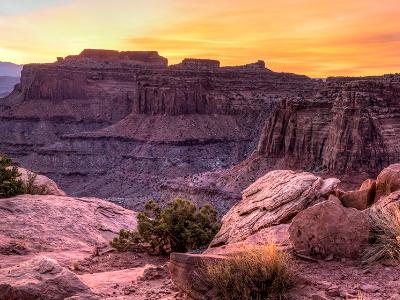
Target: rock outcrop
[(42, 278), (41, 182), (329, 229), (118, 124), (388, 181), (186, 274), (56, 224), (128, 127), (273, 199), (351, 125), (361, 198)]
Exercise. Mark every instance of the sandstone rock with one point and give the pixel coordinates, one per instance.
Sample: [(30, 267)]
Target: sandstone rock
[(185, 273), (278, 234), (41, 278), (273, 199), (362, 198), (100, 55), (41, 181), (60, 224), (119, 124), (334, 199), (388, 181), (329, 229), (390, 201), (200, 64), (350, 125)]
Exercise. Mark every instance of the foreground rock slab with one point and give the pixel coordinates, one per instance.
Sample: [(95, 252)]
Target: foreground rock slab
[(42, 278), (272, 200), (329, 229), (58, 224)]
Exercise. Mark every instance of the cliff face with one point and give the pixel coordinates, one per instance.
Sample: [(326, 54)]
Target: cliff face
[(352, 129), (349, 128), (117, 124)]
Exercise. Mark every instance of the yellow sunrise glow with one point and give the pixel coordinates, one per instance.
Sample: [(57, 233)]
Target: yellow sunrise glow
[(316, 38)]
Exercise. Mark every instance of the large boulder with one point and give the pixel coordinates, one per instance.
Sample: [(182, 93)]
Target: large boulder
[(56, 224), (388, 181), (328, 228), (41, 278), (40, 181), (272, 200)]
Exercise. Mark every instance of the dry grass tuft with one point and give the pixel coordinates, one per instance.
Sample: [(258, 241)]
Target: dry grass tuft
[(385, 235), (256, 272)]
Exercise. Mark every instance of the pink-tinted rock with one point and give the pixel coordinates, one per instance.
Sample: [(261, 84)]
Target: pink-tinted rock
[(41, 182), (185, 273), (120, 124), (100, 55), (273, 199), (59, 224), (388, 181), (351, 125), (41, 278), (362, 198), (329, 229)]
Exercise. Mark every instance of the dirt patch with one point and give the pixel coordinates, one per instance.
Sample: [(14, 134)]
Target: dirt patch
[(346, 279), (127, 275)]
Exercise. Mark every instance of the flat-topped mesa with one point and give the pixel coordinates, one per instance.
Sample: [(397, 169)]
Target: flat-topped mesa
[(105, 56), (198, 64), (257, 66)]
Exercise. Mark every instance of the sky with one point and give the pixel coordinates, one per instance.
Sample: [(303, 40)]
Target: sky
[(314, 37)]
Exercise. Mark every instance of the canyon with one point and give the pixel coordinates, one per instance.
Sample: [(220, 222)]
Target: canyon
[(128, 127), (300, 162)]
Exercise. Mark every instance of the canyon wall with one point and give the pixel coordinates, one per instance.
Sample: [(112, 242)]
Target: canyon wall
[(355, 129), (118, 124), (349, 128)]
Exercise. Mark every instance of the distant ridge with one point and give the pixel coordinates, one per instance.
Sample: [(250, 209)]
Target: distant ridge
[(10, 69)]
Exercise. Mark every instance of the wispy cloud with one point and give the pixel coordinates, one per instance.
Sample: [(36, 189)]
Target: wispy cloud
[(317, 38)]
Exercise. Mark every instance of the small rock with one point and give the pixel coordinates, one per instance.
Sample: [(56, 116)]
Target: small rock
[(333, 291), (369, 288)]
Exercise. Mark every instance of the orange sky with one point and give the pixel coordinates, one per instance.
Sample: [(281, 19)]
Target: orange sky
[(316, 38)]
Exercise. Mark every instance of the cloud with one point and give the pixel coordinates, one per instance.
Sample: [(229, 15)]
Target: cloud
[(312, 37)]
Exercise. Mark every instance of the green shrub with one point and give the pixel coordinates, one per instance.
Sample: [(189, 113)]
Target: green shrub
[(385, 235), (255, 272), (126, 240), (10, 184), (177, 228), (32, 189)]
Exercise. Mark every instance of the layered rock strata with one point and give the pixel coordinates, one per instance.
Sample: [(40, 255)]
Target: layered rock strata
[(357, 130), (118, 124)]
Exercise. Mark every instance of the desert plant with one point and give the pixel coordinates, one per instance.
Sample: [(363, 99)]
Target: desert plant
[(178, 227), (384, 236), (33, 189), (255, 272), (126, 240), (10, 184)]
